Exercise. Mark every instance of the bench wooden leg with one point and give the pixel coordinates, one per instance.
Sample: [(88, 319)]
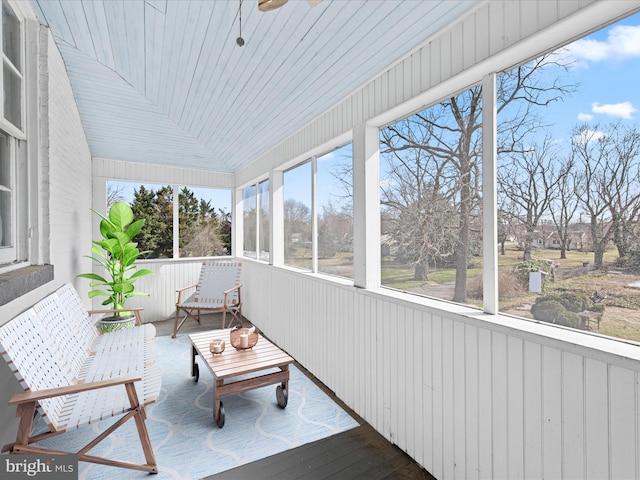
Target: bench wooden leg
[(138, 413)]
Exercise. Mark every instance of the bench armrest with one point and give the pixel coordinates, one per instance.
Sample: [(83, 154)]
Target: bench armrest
[(114, 310), (36, 395), (136, 312)]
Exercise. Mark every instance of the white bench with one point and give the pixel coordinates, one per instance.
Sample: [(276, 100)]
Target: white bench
[(74, 376)]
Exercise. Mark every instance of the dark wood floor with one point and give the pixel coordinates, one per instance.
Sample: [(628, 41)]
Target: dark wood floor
[(360, 453)]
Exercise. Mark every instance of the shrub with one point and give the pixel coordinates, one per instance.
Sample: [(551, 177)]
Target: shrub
[(524, 268), (631, 261), (548, 309), (575, 302), (510, 285)]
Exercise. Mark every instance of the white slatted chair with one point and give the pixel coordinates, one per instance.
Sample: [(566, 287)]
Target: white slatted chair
[(72, 383), (217, 290)]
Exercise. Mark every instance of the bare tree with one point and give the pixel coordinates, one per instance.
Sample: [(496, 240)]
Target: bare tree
[(623, 195), (448, 134), (564, 208), (116, 192), (297, 222), (610, 193), (529, 180), (590, 149)]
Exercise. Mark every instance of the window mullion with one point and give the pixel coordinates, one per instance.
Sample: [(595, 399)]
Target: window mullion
[(489, 195), (314, 214)]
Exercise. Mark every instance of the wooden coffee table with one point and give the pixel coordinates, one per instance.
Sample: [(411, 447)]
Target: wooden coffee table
[(233, 363)]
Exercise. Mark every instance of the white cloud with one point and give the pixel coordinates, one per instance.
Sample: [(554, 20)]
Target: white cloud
[(587, 136), (585, 117), (622, 42), (622, 110)]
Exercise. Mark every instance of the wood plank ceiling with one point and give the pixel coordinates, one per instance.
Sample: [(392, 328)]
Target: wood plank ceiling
[(164, 82)]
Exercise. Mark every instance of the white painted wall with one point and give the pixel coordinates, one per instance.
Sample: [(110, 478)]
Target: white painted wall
[(69, 178)]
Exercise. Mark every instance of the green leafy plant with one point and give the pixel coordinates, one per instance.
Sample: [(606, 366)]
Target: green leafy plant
[(117, 253)]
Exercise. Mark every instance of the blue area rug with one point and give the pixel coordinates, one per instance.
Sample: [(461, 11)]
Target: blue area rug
[(185, 439)]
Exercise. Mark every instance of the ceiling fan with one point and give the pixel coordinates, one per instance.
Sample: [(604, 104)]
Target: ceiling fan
[(267, 5)]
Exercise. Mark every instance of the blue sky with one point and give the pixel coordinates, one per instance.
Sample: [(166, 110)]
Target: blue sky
[(607, 69), (297, 184)]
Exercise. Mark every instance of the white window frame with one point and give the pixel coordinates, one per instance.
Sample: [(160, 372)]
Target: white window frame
[(16, 253)]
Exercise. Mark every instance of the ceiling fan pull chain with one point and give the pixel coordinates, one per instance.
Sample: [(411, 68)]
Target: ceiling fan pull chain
[(240, 40)]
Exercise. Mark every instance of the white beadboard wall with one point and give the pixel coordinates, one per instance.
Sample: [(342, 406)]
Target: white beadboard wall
[(110, 169), (468, 396)]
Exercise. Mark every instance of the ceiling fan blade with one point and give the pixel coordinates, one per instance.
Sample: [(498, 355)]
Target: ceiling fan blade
[(267, 5)]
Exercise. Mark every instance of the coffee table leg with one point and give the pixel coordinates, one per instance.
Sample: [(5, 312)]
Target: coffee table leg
[(282, 390), (218, 407), (195, 369)]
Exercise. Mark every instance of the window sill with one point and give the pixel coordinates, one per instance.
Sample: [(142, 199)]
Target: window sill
[(19, 282)]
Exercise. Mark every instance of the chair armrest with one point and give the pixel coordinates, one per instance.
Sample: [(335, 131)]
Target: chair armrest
[(33, 396), (180, 291), (226, 297), (186, 288), (237, 287)]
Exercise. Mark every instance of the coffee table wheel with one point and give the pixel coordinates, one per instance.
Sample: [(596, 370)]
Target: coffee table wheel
[(282, 396), (196, 372), (220, 420)]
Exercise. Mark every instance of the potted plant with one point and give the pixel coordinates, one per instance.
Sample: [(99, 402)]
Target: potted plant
[(117, 254)]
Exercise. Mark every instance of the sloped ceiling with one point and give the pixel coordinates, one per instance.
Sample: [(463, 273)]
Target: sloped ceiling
[(164, 82)]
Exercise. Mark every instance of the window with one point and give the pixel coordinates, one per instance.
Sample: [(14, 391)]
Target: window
[(264, 209), (204, 219), (431, 219), (249, 225), (325, 243), (334, 182), (255, 199), (12, 76), (297, 217), (568, 189), (7, 201), (13, 193)]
